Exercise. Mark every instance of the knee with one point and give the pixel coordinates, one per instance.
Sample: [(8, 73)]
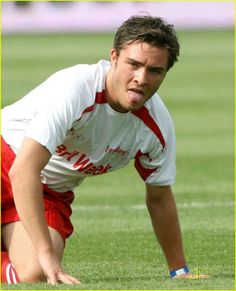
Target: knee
[(32, 274)]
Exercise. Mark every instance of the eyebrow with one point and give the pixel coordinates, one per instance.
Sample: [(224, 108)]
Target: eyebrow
[(150, 67)]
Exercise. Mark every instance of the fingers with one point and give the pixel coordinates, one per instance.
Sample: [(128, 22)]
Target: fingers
[(74, 280), (67, 279), (192, 276), (52, 280), (54, 272), (63, 278)]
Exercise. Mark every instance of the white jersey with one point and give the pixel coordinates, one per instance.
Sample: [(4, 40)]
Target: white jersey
[(70, 116)]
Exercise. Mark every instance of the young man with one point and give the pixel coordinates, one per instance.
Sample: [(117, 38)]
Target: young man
[(67, 129)]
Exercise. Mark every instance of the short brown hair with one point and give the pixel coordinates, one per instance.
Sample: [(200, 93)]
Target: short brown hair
[(152, 30)]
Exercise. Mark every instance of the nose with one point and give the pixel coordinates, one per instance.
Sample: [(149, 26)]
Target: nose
[(140, 76)]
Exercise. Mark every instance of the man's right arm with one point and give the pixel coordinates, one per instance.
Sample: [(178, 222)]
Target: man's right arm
[(28, 196)]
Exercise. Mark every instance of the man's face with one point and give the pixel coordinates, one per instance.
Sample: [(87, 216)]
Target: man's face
[(136, 74)]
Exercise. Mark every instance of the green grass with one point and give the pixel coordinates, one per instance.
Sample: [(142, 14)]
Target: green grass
[(113, 246)]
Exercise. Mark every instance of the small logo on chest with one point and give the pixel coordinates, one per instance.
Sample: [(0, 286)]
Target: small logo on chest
[(118, 151)]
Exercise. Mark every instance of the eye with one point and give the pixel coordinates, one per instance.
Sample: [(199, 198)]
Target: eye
[(133, 64), (156, 71)]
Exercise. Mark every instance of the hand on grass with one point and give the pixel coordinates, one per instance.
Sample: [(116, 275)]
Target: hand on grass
[(54, 272), (192, 276), (62, 277)]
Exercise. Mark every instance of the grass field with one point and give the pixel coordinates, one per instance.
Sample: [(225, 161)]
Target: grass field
[(113, 246)]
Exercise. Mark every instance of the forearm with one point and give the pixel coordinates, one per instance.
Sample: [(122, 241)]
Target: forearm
[(28, 197), (166, 226)]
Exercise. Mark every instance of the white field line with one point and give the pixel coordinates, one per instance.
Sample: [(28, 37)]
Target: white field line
[(143, 206)]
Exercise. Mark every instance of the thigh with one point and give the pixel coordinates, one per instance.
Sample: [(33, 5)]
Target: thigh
[(22, 252)]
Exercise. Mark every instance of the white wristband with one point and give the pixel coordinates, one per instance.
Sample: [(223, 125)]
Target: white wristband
[(178, 272)]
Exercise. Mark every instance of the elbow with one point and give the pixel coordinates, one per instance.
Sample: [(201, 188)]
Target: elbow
[(12, 174), (16, 176), (152, 204), (20, 173), (17, 173)]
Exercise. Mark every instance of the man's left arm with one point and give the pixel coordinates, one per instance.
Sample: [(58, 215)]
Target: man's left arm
[(163, 212)]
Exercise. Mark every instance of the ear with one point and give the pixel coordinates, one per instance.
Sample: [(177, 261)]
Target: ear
[(113, 56)]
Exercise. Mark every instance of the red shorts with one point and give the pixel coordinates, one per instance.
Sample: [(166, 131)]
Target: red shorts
[(57, 205)]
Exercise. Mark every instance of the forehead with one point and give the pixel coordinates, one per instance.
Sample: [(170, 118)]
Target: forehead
[(146, 53)]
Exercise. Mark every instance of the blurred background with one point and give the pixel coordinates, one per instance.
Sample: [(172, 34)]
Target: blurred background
[(39, 38), (67, 16)]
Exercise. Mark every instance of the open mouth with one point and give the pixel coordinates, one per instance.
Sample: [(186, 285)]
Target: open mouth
[(135, 96)]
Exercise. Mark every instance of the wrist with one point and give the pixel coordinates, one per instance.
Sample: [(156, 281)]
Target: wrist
[(176, 272), (45, 249)]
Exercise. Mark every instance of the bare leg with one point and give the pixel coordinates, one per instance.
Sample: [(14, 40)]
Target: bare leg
[(22, 253)]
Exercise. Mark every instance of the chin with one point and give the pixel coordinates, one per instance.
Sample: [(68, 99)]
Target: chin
[(134, 107)]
